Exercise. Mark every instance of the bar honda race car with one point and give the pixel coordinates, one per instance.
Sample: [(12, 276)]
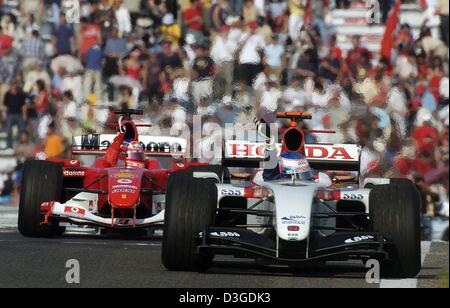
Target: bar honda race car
[(291, 214), (117, 192)]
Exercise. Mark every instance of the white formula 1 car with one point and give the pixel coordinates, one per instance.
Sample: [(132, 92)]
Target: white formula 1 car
[(291, 214)]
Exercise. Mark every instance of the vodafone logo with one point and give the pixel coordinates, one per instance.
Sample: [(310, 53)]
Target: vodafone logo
[(74, 173), (74, 211)]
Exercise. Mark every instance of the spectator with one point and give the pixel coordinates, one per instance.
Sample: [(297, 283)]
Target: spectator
[(358, 55), (271, 97), (442, 10), (37, 72), (63, 37), (95, 60), (54, 143), (275, 56), (25, 148), (250, 56), (222, 53), (227, 112), (170, 30), (305, 66), (9, 66), (202, 73), (236, 7), (170, 57), (218, 14), (90, 34), (42, 99), (15, 111), (70, 106), (123, 18), (296, 17), (32, 50), (192, 18), (6, 41), (250, 12)]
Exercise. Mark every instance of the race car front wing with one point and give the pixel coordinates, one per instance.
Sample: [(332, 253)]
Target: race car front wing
[(248, 244), (80, 216)]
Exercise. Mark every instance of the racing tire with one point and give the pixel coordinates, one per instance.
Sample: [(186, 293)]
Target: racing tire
[(395, 213), (42, 181), (191, 206)]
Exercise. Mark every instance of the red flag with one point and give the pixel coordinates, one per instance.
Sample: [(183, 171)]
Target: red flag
[(391, 25)]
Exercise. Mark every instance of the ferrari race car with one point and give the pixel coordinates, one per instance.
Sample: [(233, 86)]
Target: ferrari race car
[(292, 214), (124, 189)]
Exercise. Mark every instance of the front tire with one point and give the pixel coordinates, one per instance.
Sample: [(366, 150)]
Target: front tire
[(191, 205), (395, 212), (42, 181)]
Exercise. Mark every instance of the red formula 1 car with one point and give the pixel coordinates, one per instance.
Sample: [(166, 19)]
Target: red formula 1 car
[(124, 188)]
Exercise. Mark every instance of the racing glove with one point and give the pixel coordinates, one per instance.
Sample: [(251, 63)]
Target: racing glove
[(112, 155)]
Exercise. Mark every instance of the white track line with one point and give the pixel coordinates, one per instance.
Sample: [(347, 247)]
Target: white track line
[(406, 283)]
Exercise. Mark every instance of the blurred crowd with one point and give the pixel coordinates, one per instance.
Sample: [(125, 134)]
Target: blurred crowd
[(226, 61)]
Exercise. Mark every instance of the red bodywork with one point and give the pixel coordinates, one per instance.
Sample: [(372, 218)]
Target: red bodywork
[(122, 191), (122, 188)]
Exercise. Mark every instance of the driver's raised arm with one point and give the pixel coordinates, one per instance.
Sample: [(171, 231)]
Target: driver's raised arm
[(112, 154)]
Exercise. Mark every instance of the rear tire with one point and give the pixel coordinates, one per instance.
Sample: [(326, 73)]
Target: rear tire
[(42, 181), (191, 205), (395, 212)]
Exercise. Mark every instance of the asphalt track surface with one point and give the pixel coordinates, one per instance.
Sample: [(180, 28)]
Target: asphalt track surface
[(110, 261)]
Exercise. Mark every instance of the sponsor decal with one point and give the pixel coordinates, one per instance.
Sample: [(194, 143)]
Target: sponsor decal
[(160, 206), (74, 173), (336, 152), (75, 211), (353, 196), (91, 205), (357, 239), (225, 234), (293, 228), (294, 220), (124, 187), (124, 221), (124, 190), (231, 192), (124, 181), (124, 175)]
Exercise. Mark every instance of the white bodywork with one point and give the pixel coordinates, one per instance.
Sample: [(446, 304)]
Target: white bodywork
[(82, 209), (293, 203)]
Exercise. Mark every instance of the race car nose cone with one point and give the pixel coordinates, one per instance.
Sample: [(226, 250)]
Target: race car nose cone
[(125, 187)]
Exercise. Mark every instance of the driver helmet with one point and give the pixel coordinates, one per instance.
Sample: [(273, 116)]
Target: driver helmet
[(295, 164), (135, 155)]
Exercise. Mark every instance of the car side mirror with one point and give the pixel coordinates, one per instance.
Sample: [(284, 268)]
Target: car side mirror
[(324, 180)]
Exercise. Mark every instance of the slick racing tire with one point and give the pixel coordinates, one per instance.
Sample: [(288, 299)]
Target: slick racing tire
[(395, 213), (191, 205), (42, 181)]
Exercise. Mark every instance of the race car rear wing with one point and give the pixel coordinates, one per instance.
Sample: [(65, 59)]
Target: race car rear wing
[(98, 144), (333, 157)]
